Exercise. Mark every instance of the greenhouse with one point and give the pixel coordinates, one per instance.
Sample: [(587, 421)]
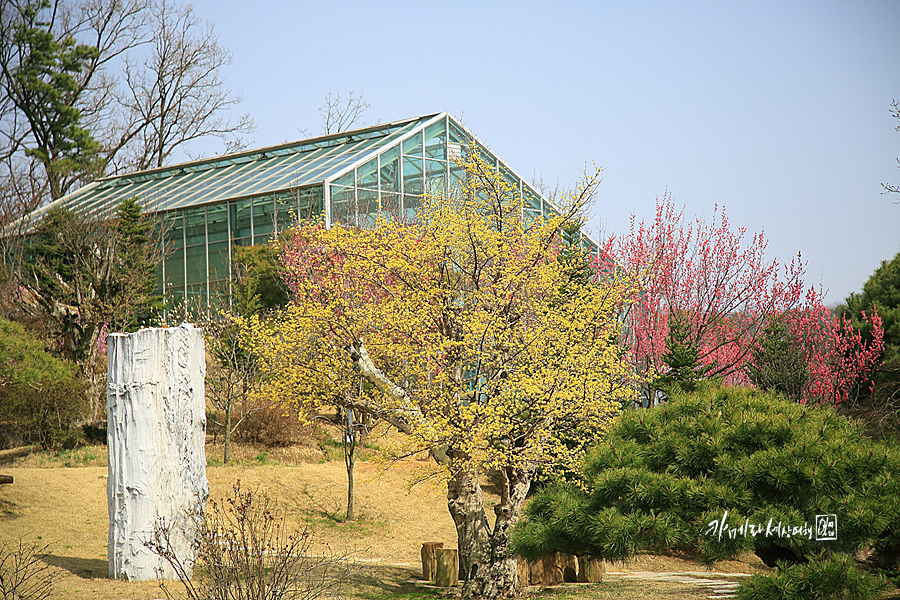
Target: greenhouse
[(208, 206)]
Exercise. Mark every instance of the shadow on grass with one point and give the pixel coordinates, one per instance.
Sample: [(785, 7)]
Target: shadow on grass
[(375, 582), (86, 568), (8, 510)]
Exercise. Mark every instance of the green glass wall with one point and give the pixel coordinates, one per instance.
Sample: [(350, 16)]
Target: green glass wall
[(196, 272)]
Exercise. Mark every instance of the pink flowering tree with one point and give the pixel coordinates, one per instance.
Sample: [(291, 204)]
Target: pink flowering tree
[(724, 290)]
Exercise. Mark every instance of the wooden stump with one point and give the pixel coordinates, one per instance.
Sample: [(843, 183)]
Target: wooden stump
[(552, 569), (447, 574), (590, 569), (429, 559), (523, 572)]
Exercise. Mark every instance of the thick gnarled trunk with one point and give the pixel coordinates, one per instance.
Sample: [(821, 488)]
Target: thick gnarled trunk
[(486, 565)]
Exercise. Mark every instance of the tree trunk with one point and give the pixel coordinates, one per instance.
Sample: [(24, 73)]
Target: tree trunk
[(228, 410), (486, 564), (351, 462)]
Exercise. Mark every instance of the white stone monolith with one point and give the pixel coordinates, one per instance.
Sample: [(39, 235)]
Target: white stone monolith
[(156, 430)]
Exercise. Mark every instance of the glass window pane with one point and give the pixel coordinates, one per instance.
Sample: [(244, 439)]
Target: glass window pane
[(263, 210), (412, 176), (175, 269), (457, 135), (195, 226), (217, 223), (158, 281), (343, 205), (390, 170), (367, 175), (195, 299), (390, 206), (368, 203), (240, 219), (346, 179), (285, 211), (175, 231), (175, 297), (435, 135), (457, 180), (218, 261), (413, 146), (410, 207), (311, 203), (196, 264), (435, 177)]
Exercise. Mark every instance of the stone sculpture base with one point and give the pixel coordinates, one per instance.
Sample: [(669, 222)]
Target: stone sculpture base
[(156, 415)]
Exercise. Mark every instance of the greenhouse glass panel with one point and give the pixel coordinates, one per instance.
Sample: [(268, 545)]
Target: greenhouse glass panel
[(175, 269), (343, 205), (263, 211), (195, 299), (158, 281), (345, 180), (436, 177), (196, 264), (195, 226), (457, 180), (285, 211), (412, 176), (310, 200), (390, 206), (175, 230), (240, 220), (413, 146), (435, 137), (368, 203), (176, 297), (218, 261), (411, 207), (458, 135), (390, 170), (367, 175), (217, 223)]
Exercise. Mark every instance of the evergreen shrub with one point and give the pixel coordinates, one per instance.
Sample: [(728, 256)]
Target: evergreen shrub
[(663, 479), (40, 394)]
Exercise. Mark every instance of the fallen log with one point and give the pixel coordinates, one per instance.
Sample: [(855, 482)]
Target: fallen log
[(6, 479)]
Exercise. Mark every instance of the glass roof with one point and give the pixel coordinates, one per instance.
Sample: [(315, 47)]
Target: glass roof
[(331, 159), (240, 175)]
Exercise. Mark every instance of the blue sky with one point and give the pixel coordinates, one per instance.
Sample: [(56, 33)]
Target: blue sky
[(777, 110)]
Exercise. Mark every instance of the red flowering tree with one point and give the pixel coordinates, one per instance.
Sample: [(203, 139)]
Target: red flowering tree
[(724, 291)]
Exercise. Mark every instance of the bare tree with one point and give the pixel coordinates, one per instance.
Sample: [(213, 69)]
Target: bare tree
[(340, 114), (56, 90), (176, 94), (62, 106), (232, 377)]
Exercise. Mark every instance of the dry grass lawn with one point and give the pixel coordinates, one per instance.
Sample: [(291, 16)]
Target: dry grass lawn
[(60, 501)]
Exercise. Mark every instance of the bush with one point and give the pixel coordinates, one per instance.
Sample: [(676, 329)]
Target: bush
[(273, 426), (833, 578), (23, 575), (40, 394), (663, 479), (244, 550)]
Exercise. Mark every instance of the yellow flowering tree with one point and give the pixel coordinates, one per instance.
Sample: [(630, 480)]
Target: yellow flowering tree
[(465, 331)]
